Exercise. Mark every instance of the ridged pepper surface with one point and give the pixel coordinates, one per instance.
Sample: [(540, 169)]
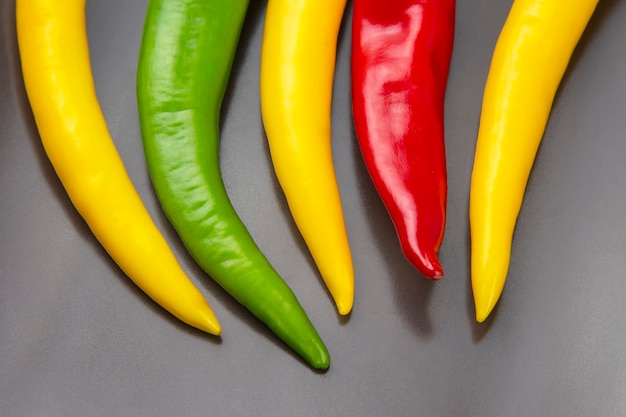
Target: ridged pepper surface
[(185, 63), (401, 51)]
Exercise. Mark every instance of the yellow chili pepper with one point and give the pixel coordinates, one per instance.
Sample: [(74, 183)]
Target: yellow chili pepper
[(57, 75), (297, 70), (530, 58)]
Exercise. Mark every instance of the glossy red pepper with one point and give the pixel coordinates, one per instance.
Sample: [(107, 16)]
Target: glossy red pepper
[(401, 51)]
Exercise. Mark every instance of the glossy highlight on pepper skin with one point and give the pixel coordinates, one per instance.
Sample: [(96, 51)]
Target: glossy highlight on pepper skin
[(297, 70), (186, 57), (57, 74), (530, 58), (401, 51)]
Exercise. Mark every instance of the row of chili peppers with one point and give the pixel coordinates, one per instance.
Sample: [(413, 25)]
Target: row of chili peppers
[(401, 52)]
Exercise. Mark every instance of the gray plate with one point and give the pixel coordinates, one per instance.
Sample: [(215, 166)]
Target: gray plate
[(77, 338)]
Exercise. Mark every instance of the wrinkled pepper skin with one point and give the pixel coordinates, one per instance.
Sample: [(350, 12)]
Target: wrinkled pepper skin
[(529, 61), (185, 62), (297, 71), (57, 75), (401, 52)]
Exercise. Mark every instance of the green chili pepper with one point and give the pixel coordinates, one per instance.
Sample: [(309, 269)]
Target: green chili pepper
[(185, 62)]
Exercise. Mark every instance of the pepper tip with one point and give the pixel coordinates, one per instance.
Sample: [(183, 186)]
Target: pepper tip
[(344, 307), (206, 321), (437, 273), (423, 257), (428, 265), (212, 328), (321, 363), (485, 297), (483, 311), (483, 308)]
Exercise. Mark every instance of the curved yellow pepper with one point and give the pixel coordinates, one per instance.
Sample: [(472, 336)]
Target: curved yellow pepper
[(57, 75), (530, 58), (297, 70)]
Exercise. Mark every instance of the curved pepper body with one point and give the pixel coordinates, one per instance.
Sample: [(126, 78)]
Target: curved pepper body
[(401, 51), (58, 79), (186, 57), (297, 69), (530, 58)]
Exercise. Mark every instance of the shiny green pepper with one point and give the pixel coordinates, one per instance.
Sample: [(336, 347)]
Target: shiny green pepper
[(185, 62)]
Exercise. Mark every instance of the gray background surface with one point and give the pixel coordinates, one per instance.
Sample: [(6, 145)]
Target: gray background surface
[(77, 338)]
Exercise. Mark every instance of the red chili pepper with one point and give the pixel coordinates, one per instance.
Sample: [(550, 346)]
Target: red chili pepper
[(401, 51)]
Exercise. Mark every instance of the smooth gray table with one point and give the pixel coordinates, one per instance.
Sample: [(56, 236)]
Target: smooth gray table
[(77, 338)]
